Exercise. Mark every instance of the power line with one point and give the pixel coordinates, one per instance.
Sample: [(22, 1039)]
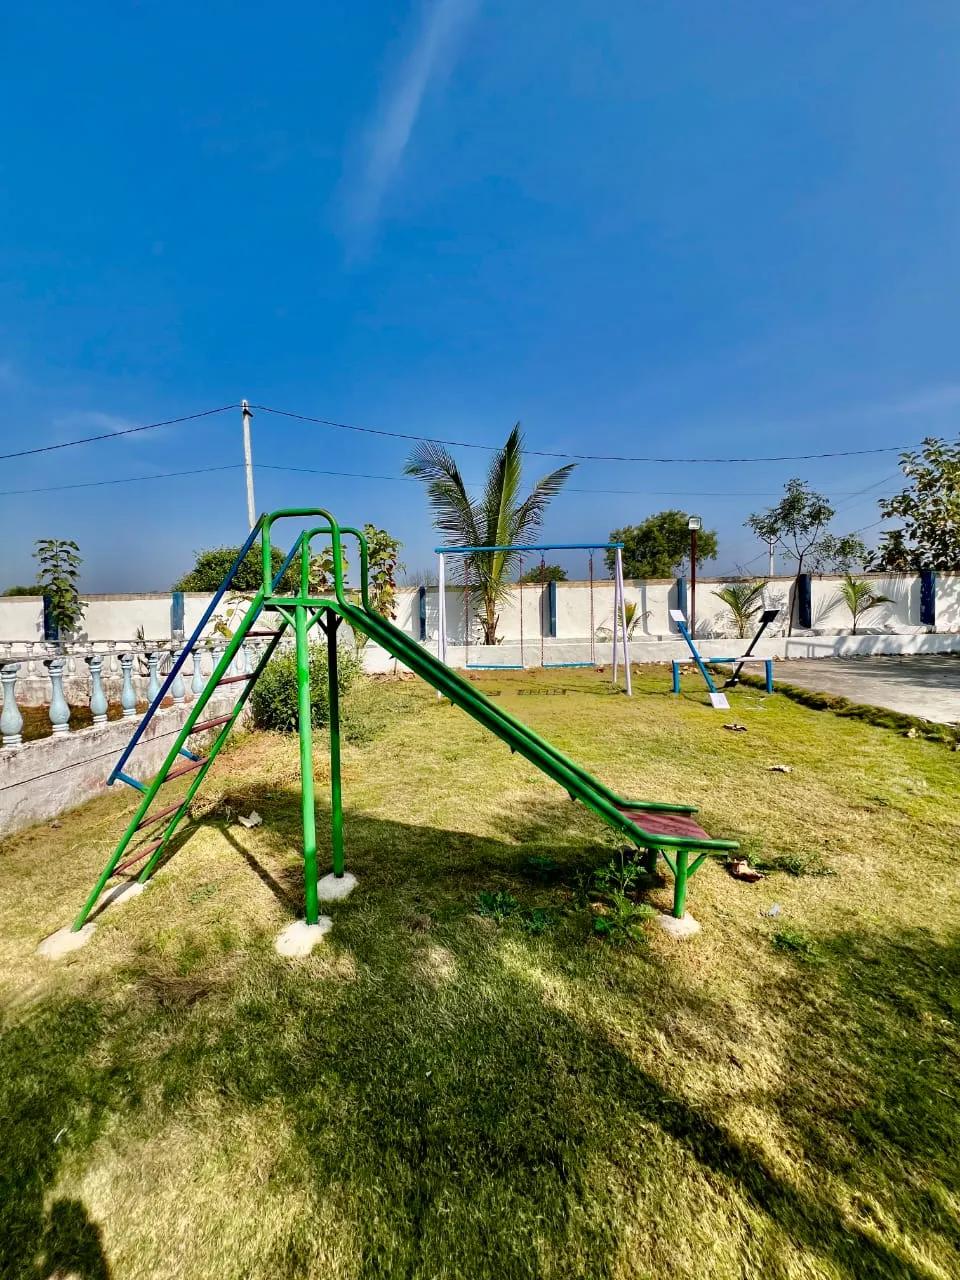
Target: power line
[(462, 444), (94, 484), (365, 475), (579, 457), (113, 435)]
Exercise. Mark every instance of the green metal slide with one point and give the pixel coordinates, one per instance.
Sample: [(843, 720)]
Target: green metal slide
[(655, 827)]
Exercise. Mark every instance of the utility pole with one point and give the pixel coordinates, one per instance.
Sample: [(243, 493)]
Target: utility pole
[(248, 464), (694, 524), (770, 563)]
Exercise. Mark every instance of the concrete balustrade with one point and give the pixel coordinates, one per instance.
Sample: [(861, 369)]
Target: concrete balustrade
[(98, 699), (11, 720), (59, 709)]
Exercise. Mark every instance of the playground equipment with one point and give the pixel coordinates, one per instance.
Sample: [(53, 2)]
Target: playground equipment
[(717, 698), (552, 650), (653, 827)]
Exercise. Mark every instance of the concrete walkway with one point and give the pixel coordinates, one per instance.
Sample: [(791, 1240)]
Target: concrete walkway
[(926, 685)]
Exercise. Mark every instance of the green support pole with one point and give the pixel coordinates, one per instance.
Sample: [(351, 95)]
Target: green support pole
[(680, 883), (311, 906), (331, 626)]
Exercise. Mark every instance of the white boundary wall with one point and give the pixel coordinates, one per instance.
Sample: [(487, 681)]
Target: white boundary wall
[(114, 620)]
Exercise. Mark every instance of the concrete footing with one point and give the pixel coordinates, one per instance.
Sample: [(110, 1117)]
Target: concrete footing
[(685, 927), (120, 894), (64, 941), (332, 888), (299, 938)]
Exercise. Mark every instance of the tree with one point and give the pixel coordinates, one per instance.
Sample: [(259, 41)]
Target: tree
[(859, 597), (419, 578), (58, 575), (34, 590), (893, 554), (930, 509), (744, 600), (796, 525), (383, 563), (544, 573), (658, 546), (212, 565), (499, 517), (321, 578), (838, 553)]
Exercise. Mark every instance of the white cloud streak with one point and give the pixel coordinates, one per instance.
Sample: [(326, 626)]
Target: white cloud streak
[(431, 58)]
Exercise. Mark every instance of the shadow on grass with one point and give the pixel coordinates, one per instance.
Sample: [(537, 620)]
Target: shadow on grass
[(476, 1127)]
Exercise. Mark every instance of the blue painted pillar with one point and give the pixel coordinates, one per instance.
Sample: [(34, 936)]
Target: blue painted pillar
[(928, 598), (681, 599), (422, 611), (51, 632), (176, 614), (804, 601), (552, 609)]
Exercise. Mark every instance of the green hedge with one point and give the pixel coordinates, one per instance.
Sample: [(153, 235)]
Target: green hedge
[(274, 697)]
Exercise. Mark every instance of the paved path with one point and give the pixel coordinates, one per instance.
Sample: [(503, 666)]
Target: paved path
[(926, 685)]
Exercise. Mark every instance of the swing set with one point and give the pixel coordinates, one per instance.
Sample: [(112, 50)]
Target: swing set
[(554, 651)]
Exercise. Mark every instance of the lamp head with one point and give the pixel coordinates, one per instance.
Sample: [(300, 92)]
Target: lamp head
[(694, 523)]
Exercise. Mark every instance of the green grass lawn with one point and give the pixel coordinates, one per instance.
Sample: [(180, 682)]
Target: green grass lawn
[(439, 1093)]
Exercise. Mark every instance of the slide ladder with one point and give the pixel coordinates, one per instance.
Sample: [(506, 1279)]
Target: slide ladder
[(181, 761)]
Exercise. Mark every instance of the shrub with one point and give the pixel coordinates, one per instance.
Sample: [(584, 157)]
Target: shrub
[(798, 944), (274, 698), (497, 905), (619, 919)]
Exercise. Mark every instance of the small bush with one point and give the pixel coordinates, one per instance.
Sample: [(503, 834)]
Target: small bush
[(621, 875), (274, 697), (796, 864), (536, 920), (798, 944), (619, 919), (497, 906)]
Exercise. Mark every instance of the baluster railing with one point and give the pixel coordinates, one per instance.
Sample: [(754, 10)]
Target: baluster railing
[(177, 691), (11, 721), (128, 697), (153, 684), (198, 681), (59, 710), (98, 699)]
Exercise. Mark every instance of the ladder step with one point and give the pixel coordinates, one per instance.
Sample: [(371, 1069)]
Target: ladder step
[(131, 782), (155, 817), (138, 856), (192, 767), (211, 724), (234, 679)]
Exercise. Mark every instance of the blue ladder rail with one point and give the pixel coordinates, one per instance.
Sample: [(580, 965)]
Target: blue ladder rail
[(116, 773)]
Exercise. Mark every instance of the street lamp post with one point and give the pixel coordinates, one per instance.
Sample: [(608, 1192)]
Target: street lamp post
[(694, 524)]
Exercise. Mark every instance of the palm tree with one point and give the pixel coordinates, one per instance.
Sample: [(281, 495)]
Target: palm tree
[(859, 597), (497, 518), (744, 600)]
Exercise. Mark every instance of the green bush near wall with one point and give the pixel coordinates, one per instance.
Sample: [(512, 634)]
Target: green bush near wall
[(274, 698)]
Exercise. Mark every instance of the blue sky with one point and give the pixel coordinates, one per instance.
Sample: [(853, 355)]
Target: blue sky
[(675, 228)]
